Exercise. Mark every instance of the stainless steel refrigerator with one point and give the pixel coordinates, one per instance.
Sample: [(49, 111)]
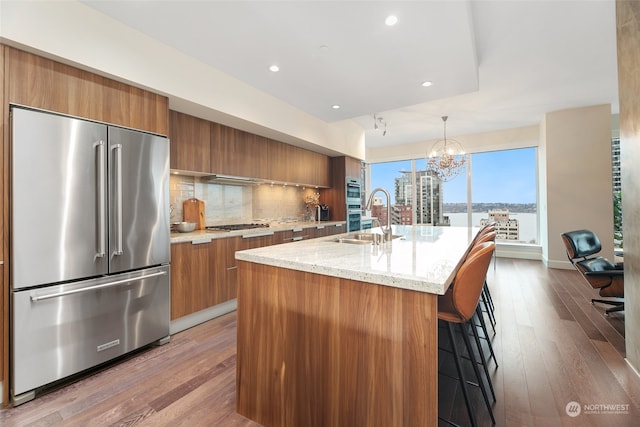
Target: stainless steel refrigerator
[(89, 243)]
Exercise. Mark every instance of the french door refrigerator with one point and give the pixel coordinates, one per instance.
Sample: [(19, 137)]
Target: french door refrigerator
[(90, 249)]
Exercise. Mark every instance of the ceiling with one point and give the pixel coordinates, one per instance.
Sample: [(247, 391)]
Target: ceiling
[(493, 64)]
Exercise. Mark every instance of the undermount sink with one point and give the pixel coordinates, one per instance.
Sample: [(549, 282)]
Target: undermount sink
[(364, 238)]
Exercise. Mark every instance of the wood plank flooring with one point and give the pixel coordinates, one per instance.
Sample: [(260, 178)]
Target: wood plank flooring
[(553, 347)]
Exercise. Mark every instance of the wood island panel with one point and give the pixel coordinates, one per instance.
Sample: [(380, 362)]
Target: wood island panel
[(316, 350)]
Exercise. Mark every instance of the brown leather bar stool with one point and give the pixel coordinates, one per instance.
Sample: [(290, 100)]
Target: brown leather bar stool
[(488, 234), (487, 237), (457, 307)]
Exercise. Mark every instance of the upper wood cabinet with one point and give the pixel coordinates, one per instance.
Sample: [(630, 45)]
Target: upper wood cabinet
[(239, 153), (38, 82), (190, 142)]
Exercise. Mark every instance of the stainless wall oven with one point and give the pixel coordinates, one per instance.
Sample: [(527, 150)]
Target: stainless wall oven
[(354, 204)]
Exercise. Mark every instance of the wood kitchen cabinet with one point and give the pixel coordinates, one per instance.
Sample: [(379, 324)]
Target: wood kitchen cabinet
[(38, 82), (295, 235), (338, 229), (205, 274), (342, 167), (320, 231), (191, 279), (229, 274), (239, 153), (297, 165), (202, 146), (224, 273), (332, 229), (190, 142)]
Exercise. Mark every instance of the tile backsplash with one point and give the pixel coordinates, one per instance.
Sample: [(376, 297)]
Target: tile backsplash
[(229, 204)]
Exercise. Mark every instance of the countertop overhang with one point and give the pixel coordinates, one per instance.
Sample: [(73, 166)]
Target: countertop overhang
[(424, 259)]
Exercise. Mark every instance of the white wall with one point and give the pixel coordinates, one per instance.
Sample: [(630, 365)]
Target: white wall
[(488, 141), (72, 33), (578, 185)]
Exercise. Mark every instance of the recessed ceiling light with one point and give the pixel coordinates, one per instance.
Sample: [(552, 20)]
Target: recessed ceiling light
[(335, 107), (427, 83), (391, 20), (274, 68)]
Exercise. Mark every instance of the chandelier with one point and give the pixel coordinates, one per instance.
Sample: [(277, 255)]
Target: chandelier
[(446, 159)]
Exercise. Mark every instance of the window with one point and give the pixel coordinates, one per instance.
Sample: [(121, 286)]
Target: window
[(392, 176), (503, 189)]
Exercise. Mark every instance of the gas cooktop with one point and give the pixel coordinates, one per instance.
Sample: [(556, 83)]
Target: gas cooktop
[(232, 227)]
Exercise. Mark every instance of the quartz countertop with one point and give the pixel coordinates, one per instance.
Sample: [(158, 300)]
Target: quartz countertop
[(204, 235), (424, 259)]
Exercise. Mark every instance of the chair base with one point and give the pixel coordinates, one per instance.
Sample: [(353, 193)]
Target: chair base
[(617, 305)]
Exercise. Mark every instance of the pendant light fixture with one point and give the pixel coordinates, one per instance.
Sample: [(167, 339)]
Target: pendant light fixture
[(446, 159)]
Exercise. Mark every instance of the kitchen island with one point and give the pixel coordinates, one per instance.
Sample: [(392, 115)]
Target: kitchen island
[(344, 334)]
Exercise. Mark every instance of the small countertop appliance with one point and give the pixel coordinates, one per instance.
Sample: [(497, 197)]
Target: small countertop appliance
[(324, 213)]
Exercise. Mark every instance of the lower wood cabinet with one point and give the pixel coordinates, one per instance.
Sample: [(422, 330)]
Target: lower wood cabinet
[(295, 234), (326, 230), (229, 273), (190, 278), (335, 229), (205, 273)]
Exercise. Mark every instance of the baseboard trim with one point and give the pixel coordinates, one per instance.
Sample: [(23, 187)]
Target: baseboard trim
[(202, 316), (632, 367), (563, 265), (519, 251)]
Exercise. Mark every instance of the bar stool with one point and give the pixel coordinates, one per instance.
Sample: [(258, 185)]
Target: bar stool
[(488, 234), (457, 307)]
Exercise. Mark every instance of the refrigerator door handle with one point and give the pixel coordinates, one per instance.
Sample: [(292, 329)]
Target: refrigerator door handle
[(35, 297), (101, 184), (117, 148)]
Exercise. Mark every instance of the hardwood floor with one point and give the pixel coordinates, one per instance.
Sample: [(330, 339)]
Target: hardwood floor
[(552, 345)]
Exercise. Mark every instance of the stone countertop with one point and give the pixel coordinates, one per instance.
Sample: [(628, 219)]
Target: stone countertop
[(203, 235), (425, 259)]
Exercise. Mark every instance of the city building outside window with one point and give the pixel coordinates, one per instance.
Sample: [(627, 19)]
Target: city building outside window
[(497, 186)]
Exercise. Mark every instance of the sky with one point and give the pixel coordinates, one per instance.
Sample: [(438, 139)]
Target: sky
[(507, 176)]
